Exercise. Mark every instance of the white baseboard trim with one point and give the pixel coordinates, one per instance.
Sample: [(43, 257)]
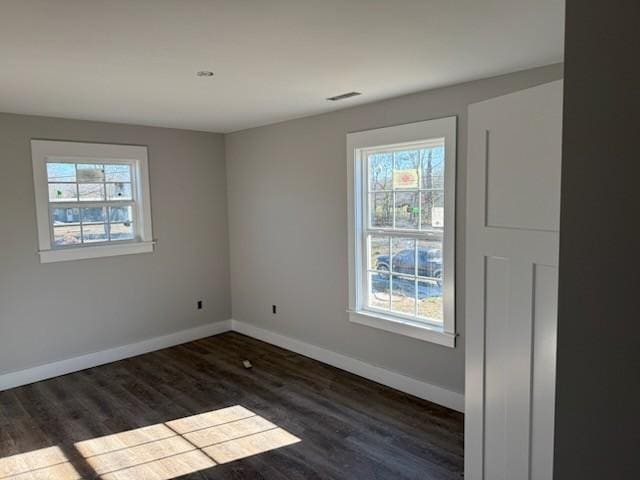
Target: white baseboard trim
[(43, 372), (418, 388)]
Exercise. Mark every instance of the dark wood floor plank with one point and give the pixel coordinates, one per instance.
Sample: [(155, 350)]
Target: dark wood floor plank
[(349, 427), (367, 415)]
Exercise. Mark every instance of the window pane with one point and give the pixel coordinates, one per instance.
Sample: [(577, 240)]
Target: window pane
[(432, 209), (94, 233), (122, 231), (120, 214), (62, 216), (90, 173), (91, 192), (406, 167), (403, 295), (430, 258), (62, 192), (119, 191), (430, 301), (94, 215), (61, 172), (405, 194), (378, 253), (403, 255), (407, 210), (117, 173), (432, 160), (66, 235), (378, 287), (381, 212), (380, 171)]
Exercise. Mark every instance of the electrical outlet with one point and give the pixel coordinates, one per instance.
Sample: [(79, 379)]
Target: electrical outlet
[(199, 304), (273, 309)]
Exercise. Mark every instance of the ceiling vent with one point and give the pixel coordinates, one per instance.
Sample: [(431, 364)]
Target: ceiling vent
[(344, 96)]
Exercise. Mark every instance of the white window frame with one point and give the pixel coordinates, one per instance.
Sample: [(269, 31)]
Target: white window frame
[(358, 143), (43, 151)]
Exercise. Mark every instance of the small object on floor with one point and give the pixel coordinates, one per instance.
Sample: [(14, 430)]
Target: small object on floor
[(247, 364)]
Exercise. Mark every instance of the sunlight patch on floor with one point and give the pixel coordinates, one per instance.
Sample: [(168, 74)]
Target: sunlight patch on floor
[(250, 445), (118, 441), (157, 452), (209, 419), (47, 463), (182, 446), (164, 468)]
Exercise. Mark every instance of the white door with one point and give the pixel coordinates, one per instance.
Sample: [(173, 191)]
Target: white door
[(513, 212)]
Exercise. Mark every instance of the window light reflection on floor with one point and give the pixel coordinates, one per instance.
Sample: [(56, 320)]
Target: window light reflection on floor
[(45, 463), (161, 452)]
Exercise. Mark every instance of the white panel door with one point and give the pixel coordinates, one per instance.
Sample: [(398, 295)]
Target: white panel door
[(513, 212)]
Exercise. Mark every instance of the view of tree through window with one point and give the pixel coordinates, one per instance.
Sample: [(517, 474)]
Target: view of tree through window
[(404, 230), (90, 203)]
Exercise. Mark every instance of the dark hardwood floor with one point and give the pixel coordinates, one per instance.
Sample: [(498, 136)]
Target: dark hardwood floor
[(289, 417)]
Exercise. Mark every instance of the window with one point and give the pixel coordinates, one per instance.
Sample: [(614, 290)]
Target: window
[(401, 229), (92, 200)]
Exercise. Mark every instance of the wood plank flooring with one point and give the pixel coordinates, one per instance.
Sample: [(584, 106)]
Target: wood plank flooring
[(193, 411)]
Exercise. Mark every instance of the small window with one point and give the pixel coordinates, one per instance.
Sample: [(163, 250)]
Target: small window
[(402, 219), (92, 200)]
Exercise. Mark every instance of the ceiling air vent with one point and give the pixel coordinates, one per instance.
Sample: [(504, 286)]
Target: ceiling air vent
[(344, 96)]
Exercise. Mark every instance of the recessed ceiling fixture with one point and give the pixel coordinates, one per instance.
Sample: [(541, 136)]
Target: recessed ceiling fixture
[(344, 96), (204, 73)]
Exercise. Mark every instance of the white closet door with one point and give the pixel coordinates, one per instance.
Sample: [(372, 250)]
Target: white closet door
[(513, 214)]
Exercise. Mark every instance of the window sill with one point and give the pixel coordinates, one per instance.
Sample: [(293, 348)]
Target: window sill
[(66, 254), (403, 327)]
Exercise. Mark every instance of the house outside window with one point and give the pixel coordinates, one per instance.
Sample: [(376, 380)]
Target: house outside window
[(92, 200)]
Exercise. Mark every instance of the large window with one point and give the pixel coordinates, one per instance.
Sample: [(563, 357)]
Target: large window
[(92, 200), (402, 229)]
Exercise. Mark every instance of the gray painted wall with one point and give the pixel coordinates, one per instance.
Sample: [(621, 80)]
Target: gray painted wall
[(287, 193), (598, 380), (50, 312)]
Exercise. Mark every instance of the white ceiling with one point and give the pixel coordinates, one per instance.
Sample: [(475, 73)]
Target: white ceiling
[(134, 61)]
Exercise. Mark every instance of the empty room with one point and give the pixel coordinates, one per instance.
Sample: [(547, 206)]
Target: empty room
[(304, 239)]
